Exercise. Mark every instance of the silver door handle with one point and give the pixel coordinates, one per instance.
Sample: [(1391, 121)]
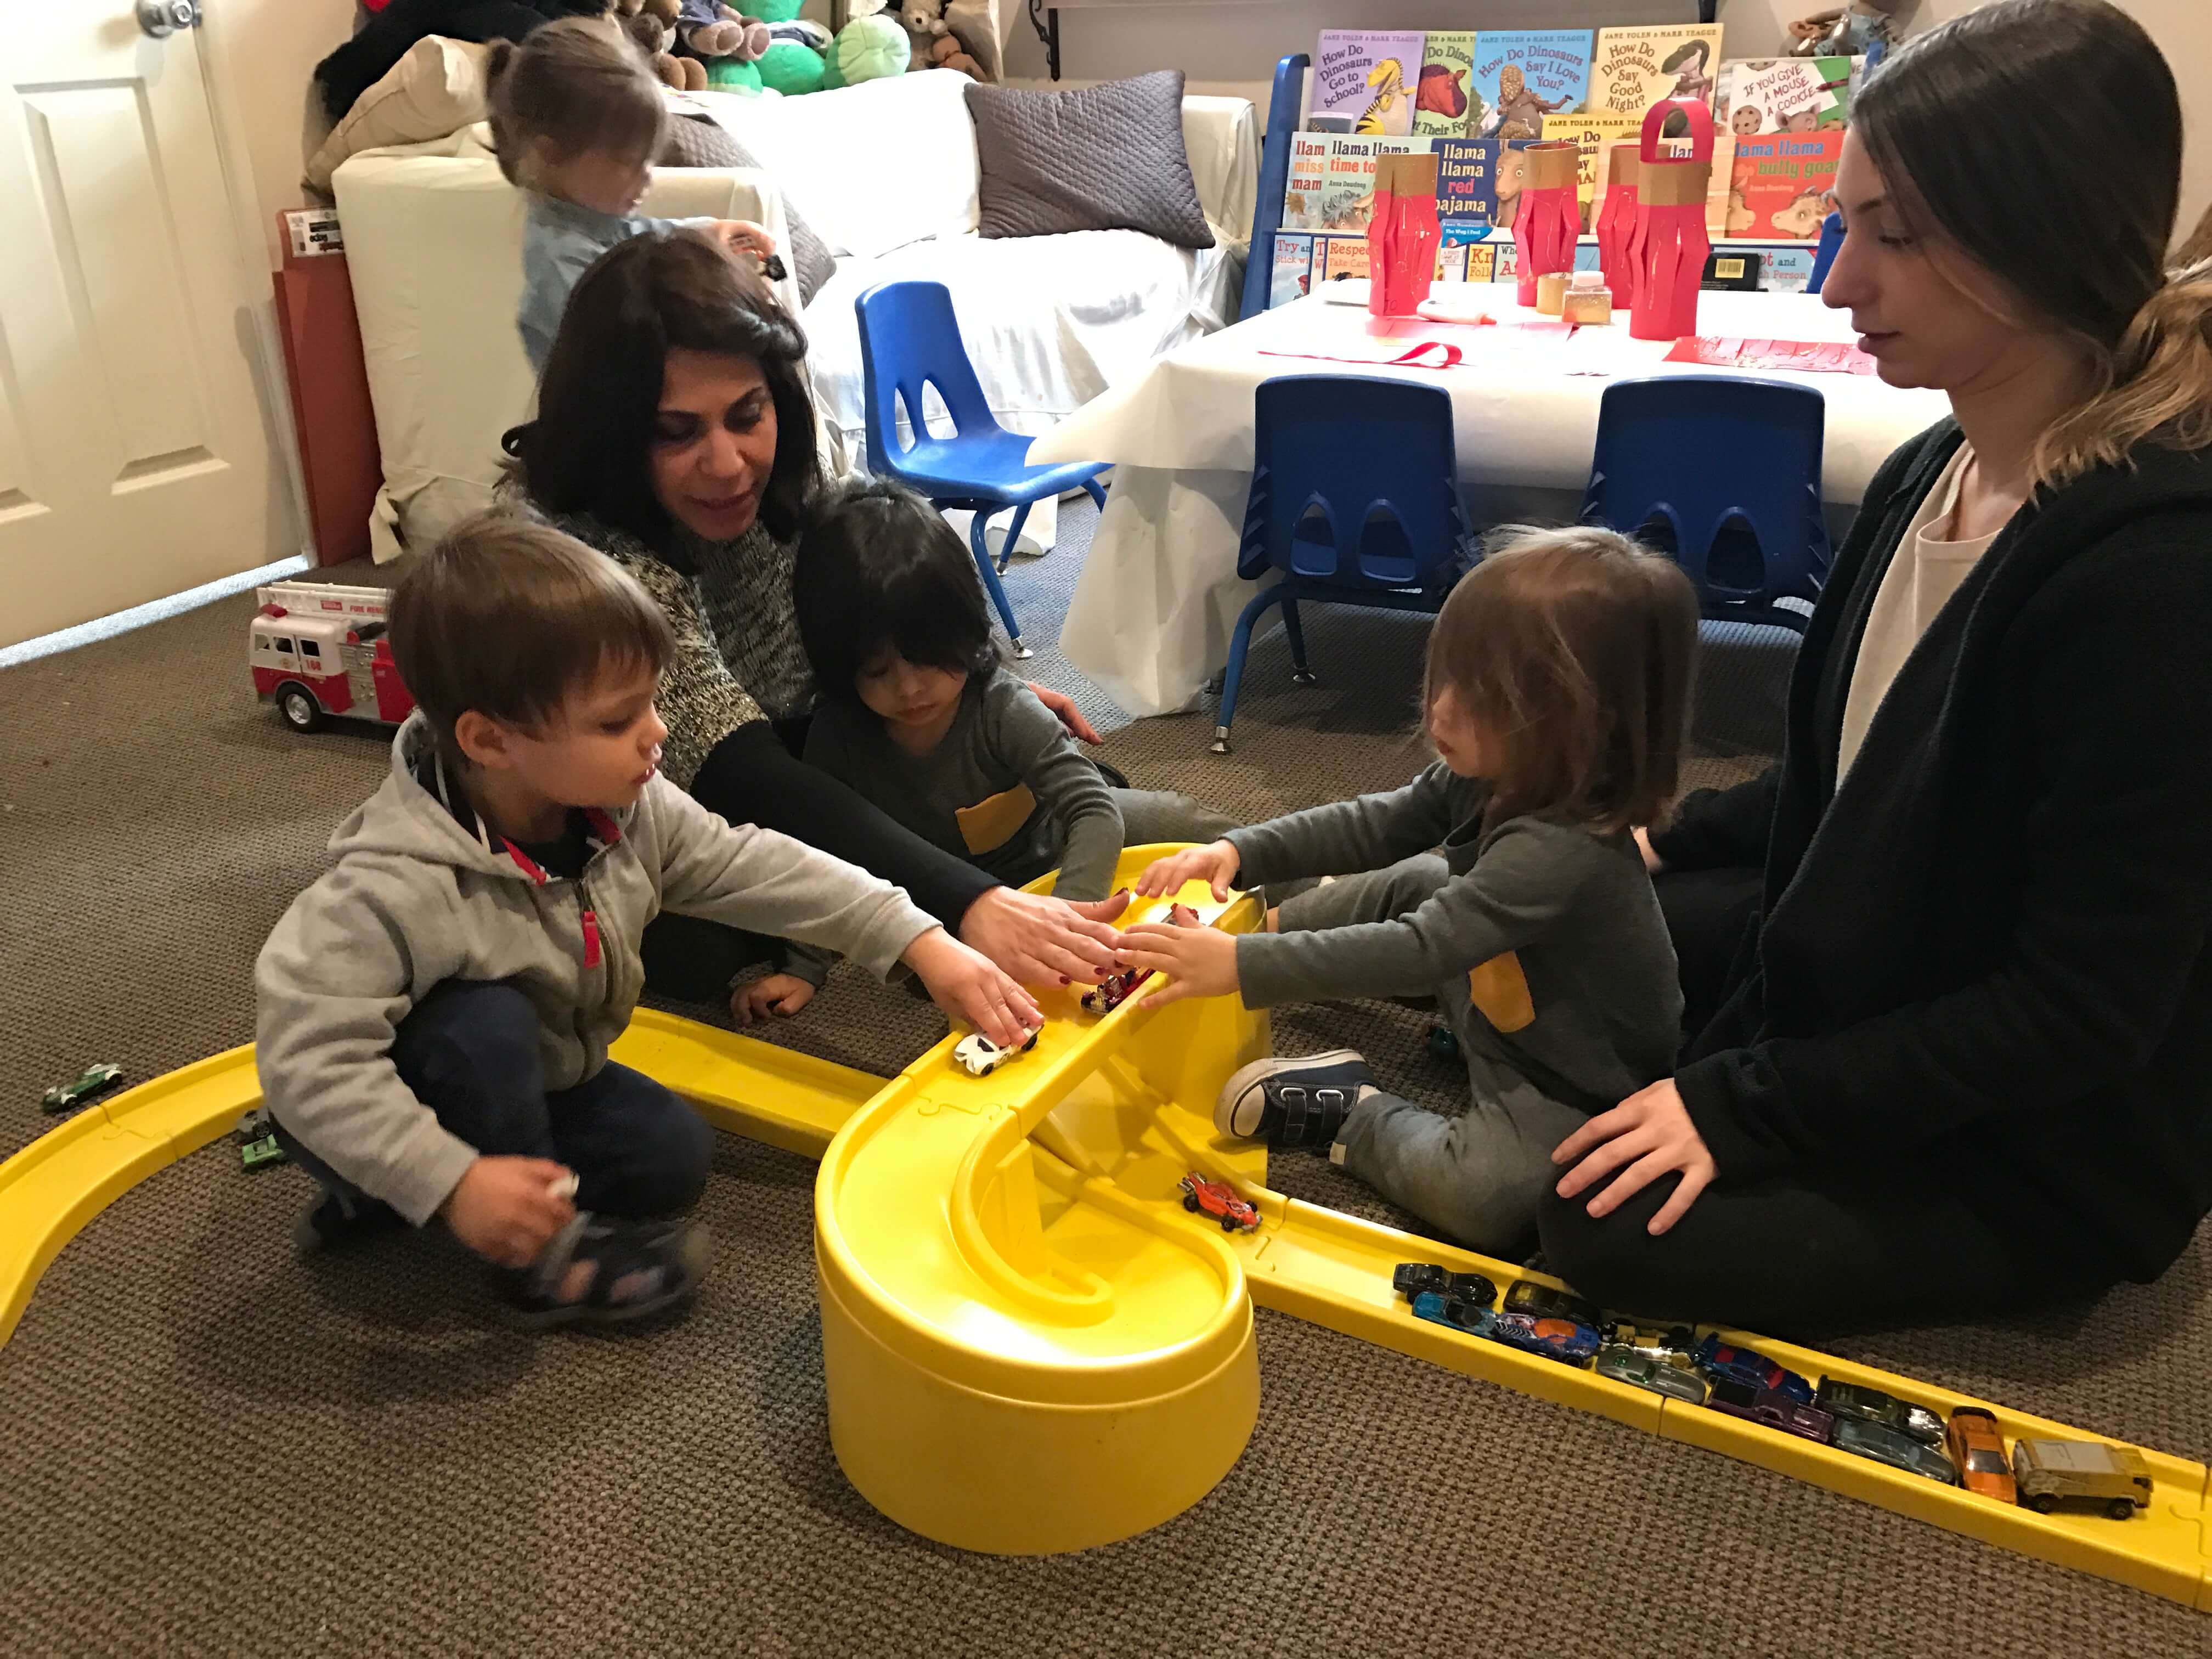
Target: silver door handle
[(163, 17)]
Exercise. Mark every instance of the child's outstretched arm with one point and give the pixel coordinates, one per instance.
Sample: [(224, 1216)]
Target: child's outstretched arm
[(755, 878), (1339, 840), (1028, 736), (1524, 884)]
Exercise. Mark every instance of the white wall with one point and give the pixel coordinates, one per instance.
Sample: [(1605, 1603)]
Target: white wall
[(1231, 49)]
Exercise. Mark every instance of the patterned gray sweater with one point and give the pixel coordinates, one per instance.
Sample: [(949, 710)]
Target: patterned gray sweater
[(738, 653)]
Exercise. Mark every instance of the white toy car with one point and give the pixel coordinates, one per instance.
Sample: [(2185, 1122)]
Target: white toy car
[(979, 1056)]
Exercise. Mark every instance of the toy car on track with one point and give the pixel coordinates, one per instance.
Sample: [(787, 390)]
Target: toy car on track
[(1526, 1296), (1111, 991), (2048, 1472), (1182, 915), (1718, 1359), (1770, 1407), (92, 1081), (1651, 1369), (1894, 1447), (1977, 1452), (1410, 1279), (1562, 1339), (1873, 1405), (1458, 1312), (1219, 1200), (979, 1056)]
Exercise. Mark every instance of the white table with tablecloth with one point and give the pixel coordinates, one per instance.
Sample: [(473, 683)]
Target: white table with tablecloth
[(1149, 621)]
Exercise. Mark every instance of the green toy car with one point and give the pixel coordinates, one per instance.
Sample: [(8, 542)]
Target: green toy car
[(92, 1081)]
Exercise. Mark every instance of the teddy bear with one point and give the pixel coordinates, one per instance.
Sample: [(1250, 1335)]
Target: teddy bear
[(931, 43), (651, 24), (710, 30)]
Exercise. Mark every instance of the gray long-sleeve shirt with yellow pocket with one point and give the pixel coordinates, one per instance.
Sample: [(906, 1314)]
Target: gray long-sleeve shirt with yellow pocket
[(1545, 944)]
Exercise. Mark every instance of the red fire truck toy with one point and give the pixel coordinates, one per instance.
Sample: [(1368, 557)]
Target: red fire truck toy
[(320, 650)]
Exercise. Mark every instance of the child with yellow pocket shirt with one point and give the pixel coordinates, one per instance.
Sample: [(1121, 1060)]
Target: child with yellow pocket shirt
[(918, 715)]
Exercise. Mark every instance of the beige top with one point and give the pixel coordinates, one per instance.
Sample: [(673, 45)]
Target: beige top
[(1925, 573)]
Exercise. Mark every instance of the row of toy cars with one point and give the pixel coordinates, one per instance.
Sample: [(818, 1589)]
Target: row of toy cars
[(1968, 1451)]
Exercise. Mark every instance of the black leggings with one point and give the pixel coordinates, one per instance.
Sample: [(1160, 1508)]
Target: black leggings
[(1820, 1252)]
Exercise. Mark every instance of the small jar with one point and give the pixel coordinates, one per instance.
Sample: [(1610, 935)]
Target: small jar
[(1589, 300), (1551, 293)]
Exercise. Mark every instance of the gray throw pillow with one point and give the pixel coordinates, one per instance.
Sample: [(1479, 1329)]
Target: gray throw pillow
[(1107, 157), (693, 142)]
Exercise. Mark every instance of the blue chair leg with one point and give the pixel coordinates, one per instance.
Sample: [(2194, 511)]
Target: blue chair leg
[(1240, 641), (1013, 534), (1097, 492), (1300, 674), (983, 552)]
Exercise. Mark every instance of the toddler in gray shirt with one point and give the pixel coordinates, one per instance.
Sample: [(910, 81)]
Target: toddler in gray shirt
[(918, 715), (576, 120), (1504, 880)]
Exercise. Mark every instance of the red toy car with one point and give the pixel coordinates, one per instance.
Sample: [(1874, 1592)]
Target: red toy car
[(1218, 1202), (1182, 915), (1111, 991)]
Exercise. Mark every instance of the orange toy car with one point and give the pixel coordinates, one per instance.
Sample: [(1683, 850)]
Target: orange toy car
[(1219, 1201), (1977, 1452)]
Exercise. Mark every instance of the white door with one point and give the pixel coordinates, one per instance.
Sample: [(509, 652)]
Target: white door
[(134, 461)]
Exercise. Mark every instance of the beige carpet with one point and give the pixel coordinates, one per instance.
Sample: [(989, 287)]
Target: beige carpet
[(211, 1446)]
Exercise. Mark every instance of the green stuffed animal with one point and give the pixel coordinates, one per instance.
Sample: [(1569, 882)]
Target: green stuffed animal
[(793, 63), (871, 48)]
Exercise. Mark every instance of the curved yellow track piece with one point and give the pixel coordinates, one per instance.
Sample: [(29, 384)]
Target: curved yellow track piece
[(1030, 1346)]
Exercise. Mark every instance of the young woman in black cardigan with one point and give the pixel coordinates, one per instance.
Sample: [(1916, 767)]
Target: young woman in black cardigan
[(1952, 951), (676, 435)]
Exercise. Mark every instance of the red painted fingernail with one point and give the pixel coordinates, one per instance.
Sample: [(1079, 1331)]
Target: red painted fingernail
[(1065, 980)]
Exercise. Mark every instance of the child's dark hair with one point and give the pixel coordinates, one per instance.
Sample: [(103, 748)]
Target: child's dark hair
[(877, 569), (577, 85), (1572, 651), (509, 618)]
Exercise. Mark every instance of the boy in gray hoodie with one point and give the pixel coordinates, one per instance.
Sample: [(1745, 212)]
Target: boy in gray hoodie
[(435, 1013)]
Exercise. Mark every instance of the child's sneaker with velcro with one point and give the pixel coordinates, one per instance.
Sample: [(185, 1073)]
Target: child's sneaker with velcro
[(1300, 1101)]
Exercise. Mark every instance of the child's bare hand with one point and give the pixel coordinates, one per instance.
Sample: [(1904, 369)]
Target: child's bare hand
[(508, 1209), (783, 994), (1199, 961), (1650, 1132), (968, 987), (742, 236), (1215, 864)]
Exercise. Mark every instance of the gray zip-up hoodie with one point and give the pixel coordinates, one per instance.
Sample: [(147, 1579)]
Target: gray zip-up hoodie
[(423, 893)]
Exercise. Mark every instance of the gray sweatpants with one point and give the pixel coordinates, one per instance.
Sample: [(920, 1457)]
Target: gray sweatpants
[(1480, 1177), (1150, 815)]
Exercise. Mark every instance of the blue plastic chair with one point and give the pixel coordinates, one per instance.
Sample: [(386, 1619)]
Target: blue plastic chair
[(1355, 500), (909, 340), (1724, 474), (1832, 239)]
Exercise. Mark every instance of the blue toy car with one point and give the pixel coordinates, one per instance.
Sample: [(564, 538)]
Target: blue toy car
[(1554, 1339), (1754, 1370), (1455, 1311)]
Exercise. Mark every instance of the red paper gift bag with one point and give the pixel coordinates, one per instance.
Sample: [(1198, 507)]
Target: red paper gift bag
[(1670, 222), (1402, 235), (1616, 222), (1550, 216)]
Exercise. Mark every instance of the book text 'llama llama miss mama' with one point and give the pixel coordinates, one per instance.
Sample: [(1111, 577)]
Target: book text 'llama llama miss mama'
[(1364, 82)]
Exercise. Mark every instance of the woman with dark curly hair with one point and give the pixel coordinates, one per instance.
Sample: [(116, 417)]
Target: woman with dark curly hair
[(675, 435)]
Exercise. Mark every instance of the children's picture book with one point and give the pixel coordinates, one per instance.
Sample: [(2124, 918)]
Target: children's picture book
[(1482, 261), (1467, 180), (1779, 185), (1302, 189), (1451, 262), (1635, 68), (1339, 258), (1512, 174), (1347, 190), (1783, 94), (1363, 81), (1445, 104), (1291, 275), (1521, 76), (1594, 135)]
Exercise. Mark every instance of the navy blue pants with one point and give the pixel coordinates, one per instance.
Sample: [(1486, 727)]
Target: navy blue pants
[(469, 1051)]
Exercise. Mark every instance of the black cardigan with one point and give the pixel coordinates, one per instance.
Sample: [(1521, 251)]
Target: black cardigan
[(1986, 951)]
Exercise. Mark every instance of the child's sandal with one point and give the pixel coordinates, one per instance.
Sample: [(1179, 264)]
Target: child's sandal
[(636, 1269)]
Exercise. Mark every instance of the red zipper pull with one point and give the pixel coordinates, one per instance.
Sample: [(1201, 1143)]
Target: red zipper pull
[(591, 939)]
